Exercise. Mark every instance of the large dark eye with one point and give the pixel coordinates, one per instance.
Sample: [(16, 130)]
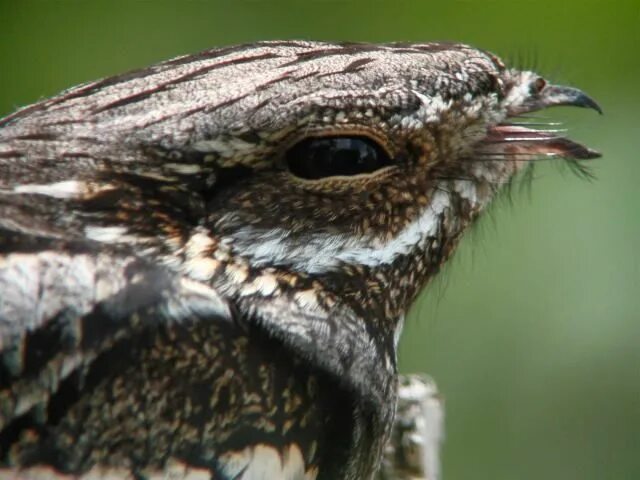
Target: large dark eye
[(320, 157)]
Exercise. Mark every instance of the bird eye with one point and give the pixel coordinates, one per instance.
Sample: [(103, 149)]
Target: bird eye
[(319, 157)]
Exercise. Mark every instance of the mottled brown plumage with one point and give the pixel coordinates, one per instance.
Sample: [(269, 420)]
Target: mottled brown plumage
[(205, 264)]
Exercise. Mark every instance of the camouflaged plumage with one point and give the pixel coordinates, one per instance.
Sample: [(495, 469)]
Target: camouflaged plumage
[(173, 300)]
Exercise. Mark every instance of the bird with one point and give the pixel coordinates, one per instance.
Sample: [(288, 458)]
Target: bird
[(205, 264)]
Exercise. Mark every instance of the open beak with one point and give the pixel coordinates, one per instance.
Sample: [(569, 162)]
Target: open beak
[(519, 141)]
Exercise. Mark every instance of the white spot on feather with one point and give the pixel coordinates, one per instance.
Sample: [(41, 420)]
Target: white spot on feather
[(265, 284), (202, 269), (432, 107), (183, 168), (264, 462), (66, 189), (105, 234), (306, 299), (199, 243)]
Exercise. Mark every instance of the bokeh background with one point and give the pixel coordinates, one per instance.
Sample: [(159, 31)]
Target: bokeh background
[(533, 330)]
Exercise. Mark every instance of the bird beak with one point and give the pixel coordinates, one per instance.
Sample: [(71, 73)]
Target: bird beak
[(518, 141), (559, 95)]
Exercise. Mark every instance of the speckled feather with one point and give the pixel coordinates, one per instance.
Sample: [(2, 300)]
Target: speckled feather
[(172, 297)]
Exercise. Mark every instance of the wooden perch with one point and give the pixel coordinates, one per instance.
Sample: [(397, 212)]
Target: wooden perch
[(413, 452)]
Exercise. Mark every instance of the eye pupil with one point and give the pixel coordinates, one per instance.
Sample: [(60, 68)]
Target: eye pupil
[(320, 157)]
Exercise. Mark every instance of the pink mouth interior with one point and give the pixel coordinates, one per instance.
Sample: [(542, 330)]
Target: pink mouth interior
[(524, 143)]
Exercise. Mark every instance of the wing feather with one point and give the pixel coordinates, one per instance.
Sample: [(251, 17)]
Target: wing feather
[(59, 309)]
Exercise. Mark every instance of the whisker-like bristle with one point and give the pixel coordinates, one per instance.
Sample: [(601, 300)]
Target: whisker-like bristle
[(535, 116), (510, 156), (581, 170), (529, 158), (529, 139), (533, 124)]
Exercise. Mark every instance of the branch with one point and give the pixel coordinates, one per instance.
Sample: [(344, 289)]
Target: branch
[(413, 451)]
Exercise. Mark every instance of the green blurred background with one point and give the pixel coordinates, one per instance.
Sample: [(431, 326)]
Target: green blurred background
[(533, 330)]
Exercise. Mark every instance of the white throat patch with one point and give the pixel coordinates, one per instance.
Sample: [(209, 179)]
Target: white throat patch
[(324, 252)]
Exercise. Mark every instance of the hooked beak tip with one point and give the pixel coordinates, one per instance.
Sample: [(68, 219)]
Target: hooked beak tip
[(588, 154), (556, 95)]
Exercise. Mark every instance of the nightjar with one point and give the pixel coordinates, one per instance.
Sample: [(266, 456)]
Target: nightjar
[(205, 264)]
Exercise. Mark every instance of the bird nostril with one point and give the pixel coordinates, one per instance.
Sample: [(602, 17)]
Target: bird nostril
[(538, 85)]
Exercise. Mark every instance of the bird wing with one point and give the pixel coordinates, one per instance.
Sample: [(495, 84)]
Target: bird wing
[(91, 238), (63, 302)]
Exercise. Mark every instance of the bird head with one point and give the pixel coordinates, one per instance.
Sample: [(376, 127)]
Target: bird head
[(360, 162), (316, 187), (347, 175)]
